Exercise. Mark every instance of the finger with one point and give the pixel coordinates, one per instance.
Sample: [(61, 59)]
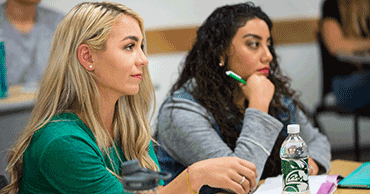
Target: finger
[(251, 179), (234, 186), (245, 182), (249, 171), (249, 175), (246, 185), (242, 85), (248, 165), (314, 168), (310, 171)]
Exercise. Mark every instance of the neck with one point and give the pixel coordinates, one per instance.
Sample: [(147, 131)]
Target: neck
[(21, 16), (20, 12), (107, 108), (107, 113)]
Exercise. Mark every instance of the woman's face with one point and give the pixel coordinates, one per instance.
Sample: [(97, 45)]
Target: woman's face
[(249, 52), (119, 68)]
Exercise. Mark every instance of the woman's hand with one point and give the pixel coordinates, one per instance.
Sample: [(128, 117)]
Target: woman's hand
[(259, 91), (313, 167), (226, 172)]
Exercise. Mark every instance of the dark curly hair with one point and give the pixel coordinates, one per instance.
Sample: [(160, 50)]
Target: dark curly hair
[(212, 88)]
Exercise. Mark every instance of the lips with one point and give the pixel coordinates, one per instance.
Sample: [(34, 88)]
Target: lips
[(265, 70), (139, 76)]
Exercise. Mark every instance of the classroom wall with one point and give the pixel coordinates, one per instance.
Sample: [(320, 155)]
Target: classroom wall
[(299, 61), (170, 13)]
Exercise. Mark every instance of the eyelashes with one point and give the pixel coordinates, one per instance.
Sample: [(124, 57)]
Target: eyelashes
[(256, 45), (131, 46)]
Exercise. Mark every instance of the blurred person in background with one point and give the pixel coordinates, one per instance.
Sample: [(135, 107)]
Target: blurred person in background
[(27, 30), (345, 43)]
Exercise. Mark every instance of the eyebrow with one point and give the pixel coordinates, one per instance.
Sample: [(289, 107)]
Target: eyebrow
[(135, 38), (255, 36)]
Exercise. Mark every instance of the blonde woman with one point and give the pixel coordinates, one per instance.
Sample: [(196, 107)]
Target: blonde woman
[(345, 44), (92, 110)]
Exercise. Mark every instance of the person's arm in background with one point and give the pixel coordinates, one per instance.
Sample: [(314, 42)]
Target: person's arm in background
[(336, 42), (342, 47)]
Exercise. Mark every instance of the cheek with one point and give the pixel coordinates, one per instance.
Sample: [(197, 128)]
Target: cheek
[(244, 64)]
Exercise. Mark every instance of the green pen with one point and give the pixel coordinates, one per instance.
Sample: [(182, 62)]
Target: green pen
[(235, 76)]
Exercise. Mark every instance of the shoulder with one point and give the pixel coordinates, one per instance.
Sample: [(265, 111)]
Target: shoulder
[(63, 137), (49, 16), (62, 128), (182, 100), (2, 13)]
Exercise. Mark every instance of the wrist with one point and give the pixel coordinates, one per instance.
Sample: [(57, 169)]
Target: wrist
[(193, 178), (264, 107)]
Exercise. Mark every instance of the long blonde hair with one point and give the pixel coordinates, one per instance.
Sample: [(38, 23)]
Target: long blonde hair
[(355, 15), (68, 87)]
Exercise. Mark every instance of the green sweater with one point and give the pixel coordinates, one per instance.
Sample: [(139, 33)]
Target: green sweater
[(64, 158)]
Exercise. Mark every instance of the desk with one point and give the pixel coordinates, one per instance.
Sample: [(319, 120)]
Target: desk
[(344, 168), (16, 100), (15, 111)]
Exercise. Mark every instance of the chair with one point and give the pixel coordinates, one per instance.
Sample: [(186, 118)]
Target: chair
[(325, 107), (3, 181)]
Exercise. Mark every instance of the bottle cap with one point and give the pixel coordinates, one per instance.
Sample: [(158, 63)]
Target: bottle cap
[(293, 128)]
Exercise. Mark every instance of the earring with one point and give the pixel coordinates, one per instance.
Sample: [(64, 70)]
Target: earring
[(93, 60), (221, 64), (90, 66)]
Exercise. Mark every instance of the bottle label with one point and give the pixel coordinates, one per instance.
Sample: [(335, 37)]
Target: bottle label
[(295, 176)]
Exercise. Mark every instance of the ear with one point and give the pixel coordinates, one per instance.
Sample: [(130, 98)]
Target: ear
[(84, 55), (222, 61)]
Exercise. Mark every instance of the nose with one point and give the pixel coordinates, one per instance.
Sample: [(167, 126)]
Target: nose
[(267, 56), (142, 59)]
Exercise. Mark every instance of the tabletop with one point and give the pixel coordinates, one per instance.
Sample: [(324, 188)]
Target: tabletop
[(18, 98), (344, 168)]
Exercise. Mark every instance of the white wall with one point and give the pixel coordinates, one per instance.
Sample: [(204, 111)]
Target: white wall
[(170, 13)]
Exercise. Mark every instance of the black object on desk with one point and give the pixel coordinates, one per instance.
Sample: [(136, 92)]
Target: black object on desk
[(136, 179)]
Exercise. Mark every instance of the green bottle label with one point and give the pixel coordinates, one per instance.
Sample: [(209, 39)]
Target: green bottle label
[(295, 176)]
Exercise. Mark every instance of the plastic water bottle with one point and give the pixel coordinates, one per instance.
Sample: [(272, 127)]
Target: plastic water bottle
[(294, 163), (3, 80)]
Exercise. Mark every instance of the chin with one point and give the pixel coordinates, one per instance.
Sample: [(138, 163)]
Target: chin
[(130, 92)]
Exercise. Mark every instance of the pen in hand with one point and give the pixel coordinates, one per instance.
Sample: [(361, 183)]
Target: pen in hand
[(235, 76)]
